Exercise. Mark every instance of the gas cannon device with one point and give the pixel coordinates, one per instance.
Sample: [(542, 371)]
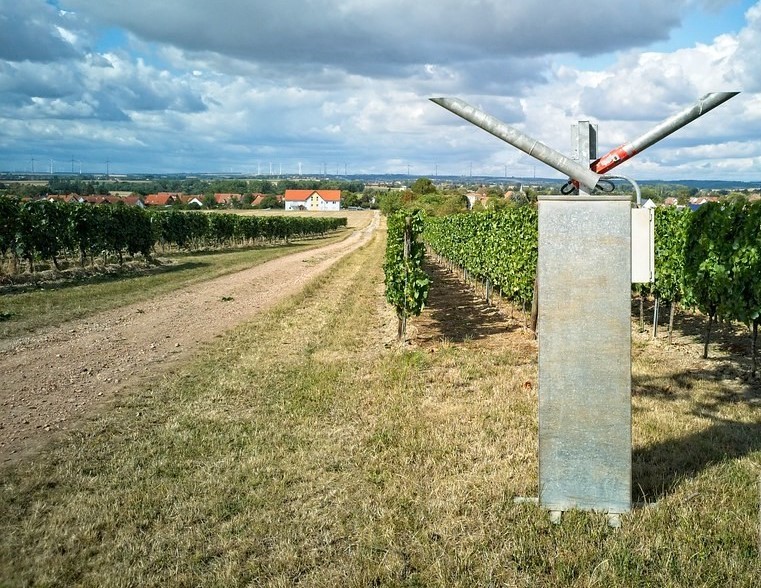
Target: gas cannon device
[(592, 246)]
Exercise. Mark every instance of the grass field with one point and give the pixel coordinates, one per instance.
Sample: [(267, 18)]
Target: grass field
[(306, 448)]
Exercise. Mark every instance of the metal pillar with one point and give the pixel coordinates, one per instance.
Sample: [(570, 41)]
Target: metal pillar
[(584, 335)]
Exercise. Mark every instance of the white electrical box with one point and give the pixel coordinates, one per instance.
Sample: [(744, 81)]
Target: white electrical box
[(643, 246)]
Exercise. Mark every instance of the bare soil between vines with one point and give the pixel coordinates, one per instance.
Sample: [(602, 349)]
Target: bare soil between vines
[(53, 379)]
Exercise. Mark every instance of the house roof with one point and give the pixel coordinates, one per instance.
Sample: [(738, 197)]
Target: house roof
[(302, 195), (160, 199), (100, 199), (258, 197), (132, 200), (225, 198)]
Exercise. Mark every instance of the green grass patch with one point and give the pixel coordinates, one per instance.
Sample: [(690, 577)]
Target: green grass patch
[(303, 450), (26, 312)]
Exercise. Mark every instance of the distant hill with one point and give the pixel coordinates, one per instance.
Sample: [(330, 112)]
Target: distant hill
[(706, 184), (398, 179)]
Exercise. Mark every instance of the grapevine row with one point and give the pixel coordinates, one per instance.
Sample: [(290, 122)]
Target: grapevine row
[(709, 259), (43, 230), (499, 246), (406, 283)]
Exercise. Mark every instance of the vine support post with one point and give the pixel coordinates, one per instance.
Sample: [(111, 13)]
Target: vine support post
[(711, 318), (402, 330), (656, 309), (753, 344), (535, 305)]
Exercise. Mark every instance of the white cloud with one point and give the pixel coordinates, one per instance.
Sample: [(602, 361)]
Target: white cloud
[(34, 31), (196, 84), (383, 37)]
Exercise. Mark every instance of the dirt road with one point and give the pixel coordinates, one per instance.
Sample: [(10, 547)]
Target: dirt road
[(50, 380)]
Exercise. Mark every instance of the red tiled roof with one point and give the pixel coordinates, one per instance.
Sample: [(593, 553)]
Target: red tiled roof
[(226, 198), (302, 195), (131, 200), (160, 199), (258, 197), (100, 199)]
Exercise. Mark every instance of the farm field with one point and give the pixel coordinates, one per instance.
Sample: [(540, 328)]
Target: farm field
[(306, 446)]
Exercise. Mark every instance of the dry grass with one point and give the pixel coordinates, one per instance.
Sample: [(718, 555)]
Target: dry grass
[(308, 449)]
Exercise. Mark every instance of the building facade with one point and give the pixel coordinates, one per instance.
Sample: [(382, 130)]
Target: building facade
[(318, 200)]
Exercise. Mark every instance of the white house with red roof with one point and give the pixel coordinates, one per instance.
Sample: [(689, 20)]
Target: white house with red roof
[(312, 199)]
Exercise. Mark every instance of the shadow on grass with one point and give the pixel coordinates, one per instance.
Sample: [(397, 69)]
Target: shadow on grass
[(726, 337), (658, 468), (248, 248), (454, 313), (113, 274)]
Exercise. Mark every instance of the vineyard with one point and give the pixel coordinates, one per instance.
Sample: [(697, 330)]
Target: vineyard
[(315, 452), (406, 282), (35, 231), (498, 246), (708, 260)]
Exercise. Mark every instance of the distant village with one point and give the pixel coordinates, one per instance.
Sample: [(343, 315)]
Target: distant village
[(436, 196), (318, 200), (486, 198)]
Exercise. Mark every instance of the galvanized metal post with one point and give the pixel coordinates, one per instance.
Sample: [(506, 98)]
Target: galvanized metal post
[(584, 329), (520, 140), (617, 156), (583, 145), (584, 272)]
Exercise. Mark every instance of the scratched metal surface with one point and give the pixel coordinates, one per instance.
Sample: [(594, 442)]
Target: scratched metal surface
[(585, 353)]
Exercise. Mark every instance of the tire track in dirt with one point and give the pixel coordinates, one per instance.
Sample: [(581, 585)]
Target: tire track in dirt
[(51, 380)]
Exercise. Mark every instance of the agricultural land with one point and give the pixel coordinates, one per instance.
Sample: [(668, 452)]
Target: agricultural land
[(264, 427)]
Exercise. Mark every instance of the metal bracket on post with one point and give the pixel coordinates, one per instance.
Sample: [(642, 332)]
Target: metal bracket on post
[(583, 145), (584, 142)]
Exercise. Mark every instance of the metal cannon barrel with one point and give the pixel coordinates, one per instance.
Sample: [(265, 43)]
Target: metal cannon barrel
[(620, 154), (522, 141)]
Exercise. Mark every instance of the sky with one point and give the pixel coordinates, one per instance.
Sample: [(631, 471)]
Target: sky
[(343, 86)]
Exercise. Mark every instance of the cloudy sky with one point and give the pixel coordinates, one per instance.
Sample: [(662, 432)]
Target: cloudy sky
[(343, 85)]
